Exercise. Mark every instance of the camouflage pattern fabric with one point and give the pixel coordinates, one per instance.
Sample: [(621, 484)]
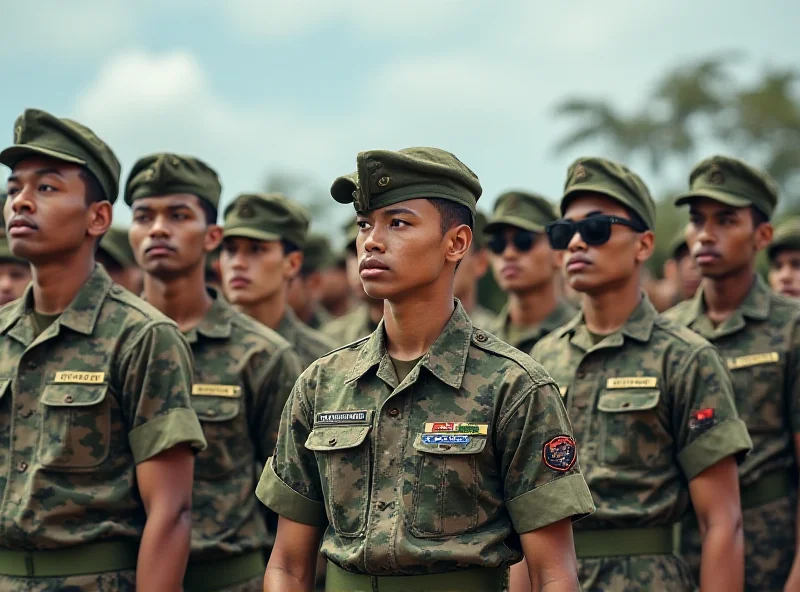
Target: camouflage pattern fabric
[(104, 388), (761, 345), (406, 498), (307, 343), (350, 327), (639, 573), (525, 340), (112, 581), (637, 400), (319, 317), (244, 373)]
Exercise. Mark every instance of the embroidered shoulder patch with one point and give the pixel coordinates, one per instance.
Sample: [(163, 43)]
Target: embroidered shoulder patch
[(560, 453), (702, 419)]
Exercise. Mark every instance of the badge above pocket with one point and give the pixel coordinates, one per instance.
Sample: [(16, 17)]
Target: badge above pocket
[(449, 443)]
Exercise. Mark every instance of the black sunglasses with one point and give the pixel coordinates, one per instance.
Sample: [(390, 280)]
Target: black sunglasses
[(595, 230), (522, 240)]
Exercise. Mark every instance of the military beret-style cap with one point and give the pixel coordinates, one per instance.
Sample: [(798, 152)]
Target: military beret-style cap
[(385, 177), (733, 182), (527, 211), (267, 217), (38, 133), (318, 254), (166, 174), (787, 236), (609, 178), (116, 245)]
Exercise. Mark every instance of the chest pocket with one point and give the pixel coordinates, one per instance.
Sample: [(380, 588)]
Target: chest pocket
[(226, 434), (343, 457), (631, 434), (758, 384), (445, 490), (75, 431)]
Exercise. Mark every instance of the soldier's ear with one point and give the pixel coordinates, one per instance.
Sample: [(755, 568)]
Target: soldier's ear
[(763, 236), (213, 237), (458, 241), (100, 216), (645, 246)]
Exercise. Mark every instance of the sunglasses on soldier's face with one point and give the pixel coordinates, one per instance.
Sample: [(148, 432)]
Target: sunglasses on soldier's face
[(522, 240), (594, 230)]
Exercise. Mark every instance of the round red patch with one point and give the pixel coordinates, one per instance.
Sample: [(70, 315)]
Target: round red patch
[(560, 453)]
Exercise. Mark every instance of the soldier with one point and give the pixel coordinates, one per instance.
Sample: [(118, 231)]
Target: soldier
[(472, 268), (243, 371), (651, 402), (687, 274), (784, 259), (335, 293), (15, 274), (305, 289), (262, 253), (116, 255), (526, 268), (97, 435), (757, 333), (366, 315), (423, 450)]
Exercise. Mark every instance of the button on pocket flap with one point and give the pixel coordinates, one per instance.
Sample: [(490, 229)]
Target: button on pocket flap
[(73, 395), (215, 408), (449, 444), (628, 400), (336, 438)]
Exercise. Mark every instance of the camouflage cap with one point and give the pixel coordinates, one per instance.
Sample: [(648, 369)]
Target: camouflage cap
[(317, 254), (6, 256), (116, 245), (787, 236), (599, 175), (384, 178), (38, 133), (267, 217), (527, 211), (166, 174), (733, 182)]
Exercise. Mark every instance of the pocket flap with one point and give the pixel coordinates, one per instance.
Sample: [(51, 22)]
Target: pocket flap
[(336, 438), (73, 395), (210, 408), (449, 444), (628, 400)]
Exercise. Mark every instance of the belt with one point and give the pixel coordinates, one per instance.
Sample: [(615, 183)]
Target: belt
[(769, 488), (90, 558), (655, 540), (207, 576), (479, 579)]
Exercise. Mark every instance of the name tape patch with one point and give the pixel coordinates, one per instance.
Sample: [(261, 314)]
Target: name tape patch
[(445, 439), (80, 377), (216, 390), (560, 453), (625, 382), (455, 427), (358, 417), (753, 360)]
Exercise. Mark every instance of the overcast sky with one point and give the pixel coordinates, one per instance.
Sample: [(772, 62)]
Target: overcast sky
[(253, 86)]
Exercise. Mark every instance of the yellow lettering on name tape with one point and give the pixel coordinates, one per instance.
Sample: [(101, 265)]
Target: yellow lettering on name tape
[(753, 360), (625, 382), (215, 390), (80, 377)]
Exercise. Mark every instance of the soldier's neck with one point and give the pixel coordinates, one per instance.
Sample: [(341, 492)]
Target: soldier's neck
[(607, 311), (529, 308), (269, 311), (413, 324), (183, 298), (724, 295), (55, 285)]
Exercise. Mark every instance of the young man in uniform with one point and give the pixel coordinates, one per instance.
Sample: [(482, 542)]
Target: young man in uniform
[(262, 253), (472, 268), (335, 294), (687, 274), (116, 255), (243, 371), (651, 402), (758, 334), (784, 259), (97, 434), (429, 453), (305, 289), (15, 273), (526, 268)]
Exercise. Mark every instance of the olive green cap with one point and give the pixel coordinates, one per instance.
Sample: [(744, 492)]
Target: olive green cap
[(6, 255), (38, 133), (733, 182), (787, 236), (267, 217), (527, 211), (677, 243), (599, 175), (384, 178), (166, 174), (317, 253), (116, 245), (478, 236)]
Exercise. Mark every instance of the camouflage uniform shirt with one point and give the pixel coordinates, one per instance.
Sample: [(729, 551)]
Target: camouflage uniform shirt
[(525, 338), (308, 343), (104, 388), (350, 327), (354, 455), (244, 373)]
